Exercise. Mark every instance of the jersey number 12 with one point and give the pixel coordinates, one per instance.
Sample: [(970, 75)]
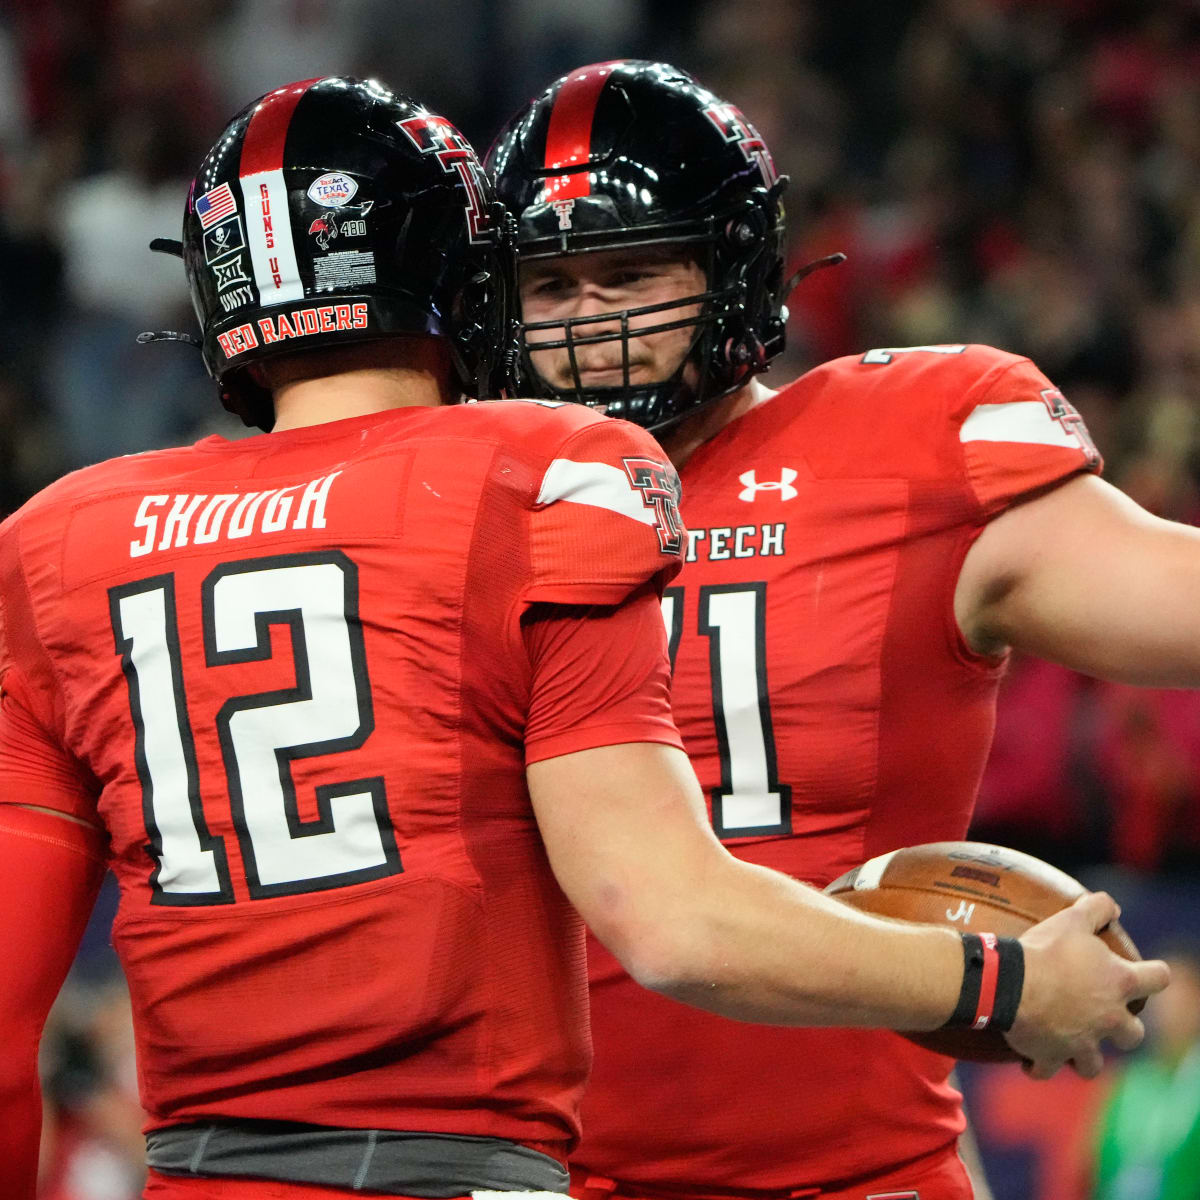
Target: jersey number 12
[(328, 710)]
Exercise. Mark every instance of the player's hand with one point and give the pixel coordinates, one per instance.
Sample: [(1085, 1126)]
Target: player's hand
[(1076, 991)]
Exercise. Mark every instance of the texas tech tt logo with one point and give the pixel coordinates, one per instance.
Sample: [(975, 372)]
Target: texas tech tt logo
[(1068, 416), (659, 488), (733, 127), (783, 485), (564, 208), (432, 134)]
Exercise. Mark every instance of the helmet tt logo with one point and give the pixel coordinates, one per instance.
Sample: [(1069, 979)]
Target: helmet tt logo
[(563, 208), (731, 123), (432, 134)]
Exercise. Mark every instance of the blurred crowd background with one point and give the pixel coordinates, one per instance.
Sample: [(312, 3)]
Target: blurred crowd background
[(1019, 172)]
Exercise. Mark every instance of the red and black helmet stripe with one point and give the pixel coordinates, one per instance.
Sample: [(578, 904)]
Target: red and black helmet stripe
[(569, 132), (266, 134), (265, 194)]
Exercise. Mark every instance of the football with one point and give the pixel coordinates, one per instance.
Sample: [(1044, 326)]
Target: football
[(977, 888)]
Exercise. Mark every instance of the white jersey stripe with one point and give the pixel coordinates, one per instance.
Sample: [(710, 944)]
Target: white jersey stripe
[(1018, 421), (269, 233), (596, 484)]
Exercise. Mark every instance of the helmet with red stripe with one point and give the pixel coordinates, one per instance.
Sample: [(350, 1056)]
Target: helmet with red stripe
[(333, 211), (636, 154)]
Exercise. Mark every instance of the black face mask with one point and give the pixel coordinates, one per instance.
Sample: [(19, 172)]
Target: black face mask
[(636, 154)]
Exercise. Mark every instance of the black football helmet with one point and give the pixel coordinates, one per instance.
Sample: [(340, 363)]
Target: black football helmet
[(333, 211), (632, 153)]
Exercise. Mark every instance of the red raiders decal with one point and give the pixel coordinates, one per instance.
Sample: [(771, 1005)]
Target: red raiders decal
[(732, 125), (659, 487), (238, 340), (432, 134), (320, 318)]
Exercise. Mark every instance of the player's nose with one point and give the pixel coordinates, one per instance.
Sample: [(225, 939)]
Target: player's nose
[(591, 301)]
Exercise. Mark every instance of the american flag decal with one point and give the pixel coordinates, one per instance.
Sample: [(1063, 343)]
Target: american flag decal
[(215, 206)]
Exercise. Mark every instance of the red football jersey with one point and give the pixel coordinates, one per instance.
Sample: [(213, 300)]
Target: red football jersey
[(298, 678), (833, 712)]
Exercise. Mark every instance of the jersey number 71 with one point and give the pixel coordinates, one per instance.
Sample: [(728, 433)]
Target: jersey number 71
[(751, 802)]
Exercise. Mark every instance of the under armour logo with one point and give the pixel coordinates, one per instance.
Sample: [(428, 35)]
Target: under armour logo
[(782, 485)]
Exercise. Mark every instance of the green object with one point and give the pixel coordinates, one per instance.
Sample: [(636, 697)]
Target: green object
[(1149, 1147)]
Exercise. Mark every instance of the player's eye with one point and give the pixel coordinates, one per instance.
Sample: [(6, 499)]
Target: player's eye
[(546, 286), (629, 277)]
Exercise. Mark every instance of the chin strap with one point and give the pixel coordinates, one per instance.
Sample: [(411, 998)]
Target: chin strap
[(167, 246), (830, 260), (167, 335)]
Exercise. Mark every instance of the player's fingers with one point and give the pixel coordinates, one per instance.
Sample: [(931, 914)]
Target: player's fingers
[(1088, 1062), (1149, 977), (1098, 908), (1043, 1068), (1129, 1034)]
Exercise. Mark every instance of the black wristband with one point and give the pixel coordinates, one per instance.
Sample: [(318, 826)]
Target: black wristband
[(963, 1016), (992, 982)]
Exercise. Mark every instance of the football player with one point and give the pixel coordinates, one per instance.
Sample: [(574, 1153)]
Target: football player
[(865, 544), (361, 710)]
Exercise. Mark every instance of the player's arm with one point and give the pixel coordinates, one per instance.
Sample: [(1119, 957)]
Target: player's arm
[(629, 841), (625, 828), (627, 837), (51, 865), (50, 872), (1083, 575)]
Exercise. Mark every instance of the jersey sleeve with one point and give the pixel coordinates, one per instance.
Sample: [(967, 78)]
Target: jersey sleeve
[(35, 767), (600, 676), (1019, 435), (605, 519)]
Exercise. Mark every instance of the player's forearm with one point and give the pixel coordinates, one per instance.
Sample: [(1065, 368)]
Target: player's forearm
[(629, 841), (762, 947)]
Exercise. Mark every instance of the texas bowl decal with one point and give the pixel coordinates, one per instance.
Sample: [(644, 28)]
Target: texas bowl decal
[(332, 190)]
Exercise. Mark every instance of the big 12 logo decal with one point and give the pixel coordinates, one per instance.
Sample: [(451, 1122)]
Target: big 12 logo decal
[(732, 124), (432, 134)]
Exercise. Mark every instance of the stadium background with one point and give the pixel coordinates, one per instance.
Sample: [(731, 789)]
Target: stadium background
[(1019, 172)]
